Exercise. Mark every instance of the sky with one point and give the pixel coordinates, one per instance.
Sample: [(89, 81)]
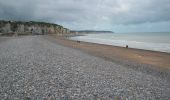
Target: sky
[(113, 15)]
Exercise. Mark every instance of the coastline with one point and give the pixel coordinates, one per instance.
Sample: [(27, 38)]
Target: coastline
[(41, 65), (154, 59)]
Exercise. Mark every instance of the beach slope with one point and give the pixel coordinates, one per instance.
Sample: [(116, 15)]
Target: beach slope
[(39, 67)]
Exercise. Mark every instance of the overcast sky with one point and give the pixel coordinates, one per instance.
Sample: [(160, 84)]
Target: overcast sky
[(115, 15)]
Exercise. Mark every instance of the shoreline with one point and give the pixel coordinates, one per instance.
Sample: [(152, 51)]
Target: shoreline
[(151, 62), (156, 59), (44, 67)]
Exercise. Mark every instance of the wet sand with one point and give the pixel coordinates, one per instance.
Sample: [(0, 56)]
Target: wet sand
[(158, 60)]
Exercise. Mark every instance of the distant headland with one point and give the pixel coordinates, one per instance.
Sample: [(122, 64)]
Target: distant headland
[(90, 31)]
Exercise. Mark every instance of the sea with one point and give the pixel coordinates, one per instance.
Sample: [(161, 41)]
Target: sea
[(155, 41)]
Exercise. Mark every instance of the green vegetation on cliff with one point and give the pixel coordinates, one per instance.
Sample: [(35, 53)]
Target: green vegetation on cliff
[(30, 23)]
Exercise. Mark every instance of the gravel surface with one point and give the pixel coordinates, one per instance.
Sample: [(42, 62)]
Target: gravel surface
[(34, 68)]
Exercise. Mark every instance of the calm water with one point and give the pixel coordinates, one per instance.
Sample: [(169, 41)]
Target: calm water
[(147, 41)]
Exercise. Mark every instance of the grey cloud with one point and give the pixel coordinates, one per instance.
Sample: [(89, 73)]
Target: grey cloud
[(145, 11), (17, 10), (87, 13)]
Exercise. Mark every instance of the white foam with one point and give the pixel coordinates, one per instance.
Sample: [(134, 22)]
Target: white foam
[(163, 47)]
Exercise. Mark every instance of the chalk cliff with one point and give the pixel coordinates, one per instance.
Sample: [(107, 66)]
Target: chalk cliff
[(34, 28)]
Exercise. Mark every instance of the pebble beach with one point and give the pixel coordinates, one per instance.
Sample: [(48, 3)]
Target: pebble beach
[(37, 68)]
